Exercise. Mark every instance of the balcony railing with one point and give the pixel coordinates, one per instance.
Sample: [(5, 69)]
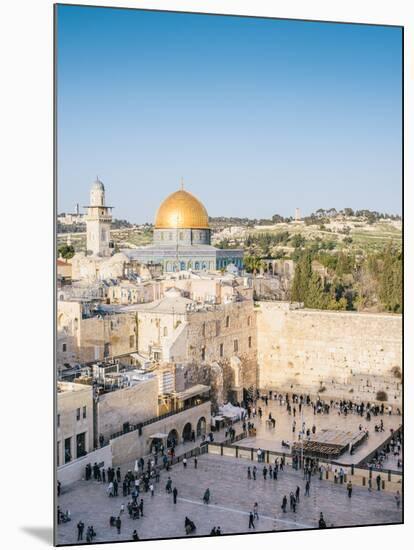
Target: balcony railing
[(140, 425)]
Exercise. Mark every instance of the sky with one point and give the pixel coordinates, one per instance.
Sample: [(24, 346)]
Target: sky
[(258, 116)]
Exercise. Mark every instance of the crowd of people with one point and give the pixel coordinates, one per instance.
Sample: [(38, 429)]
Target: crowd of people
[(145, 477)]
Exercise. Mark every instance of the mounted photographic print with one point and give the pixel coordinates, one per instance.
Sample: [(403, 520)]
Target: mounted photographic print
[(229, 275)]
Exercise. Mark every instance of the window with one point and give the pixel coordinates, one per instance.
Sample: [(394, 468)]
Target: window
[(165, 331), (157, 356), (203, 353), (131, 340), (203, 329), (250, 341), (68, 449), (221, 350), (84, 411), (77, 414), (106, 350), (227, 321), (58, 420), (236, 345), (80, 445), (63, 347)]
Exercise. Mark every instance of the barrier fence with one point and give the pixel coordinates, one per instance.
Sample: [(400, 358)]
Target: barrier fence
[(325, 470)]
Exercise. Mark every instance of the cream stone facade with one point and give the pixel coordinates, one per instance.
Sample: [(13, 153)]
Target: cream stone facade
[(137, 443), (74, 421), (133, 404)]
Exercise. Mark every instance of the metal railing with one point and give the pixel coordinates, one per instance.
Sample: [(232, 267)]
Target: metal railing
[(140, 425)]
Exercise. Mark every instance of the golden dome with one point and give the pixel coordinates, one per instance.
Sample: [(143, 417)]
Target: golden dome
[(181, 210)]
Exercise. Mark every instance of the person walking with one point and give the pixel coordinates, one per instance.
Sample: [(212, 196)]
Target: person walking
[(378, 479), (307, 489), (349, 489), (175, 493), (251, 520), (284, 504), (249, 473), (297, 493), (151, 488), (135, 535), (81, 527), (206, 497), (256, 511), (398, 499), (118, 524), (254, 472), (195, 462), (322, 523), (185, 462)]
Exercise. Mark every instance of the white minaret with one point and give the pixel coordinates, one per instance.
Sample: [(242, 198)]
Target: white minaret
[(98, 222)]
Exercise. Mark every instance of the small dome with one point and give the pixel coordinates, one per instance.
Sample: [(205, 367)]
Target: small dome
[(98, 185), (181, 210)]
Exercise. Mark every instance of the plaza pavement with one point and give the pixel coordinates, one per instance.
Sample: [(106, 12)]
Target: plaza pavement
[(271, 439), (232, 498)]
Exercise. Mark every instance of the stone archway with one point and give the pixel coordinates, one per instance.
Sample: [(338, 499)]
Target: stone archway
[(187, 432), (201, 426), (172, 439)]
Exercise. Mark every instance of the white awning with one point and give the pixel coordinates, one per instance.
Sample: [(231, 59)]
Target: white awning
[(158, 436)]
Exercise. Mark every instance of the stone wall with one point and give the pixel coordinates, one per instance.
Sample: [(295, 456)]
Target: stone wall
[(311, 348), (75, 470), (132, 445), (232, 326), (134, 404)]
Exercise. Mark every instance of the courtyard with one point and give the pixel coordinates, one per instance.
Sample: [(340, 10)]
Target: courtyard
[(232, 499), (271, 438)]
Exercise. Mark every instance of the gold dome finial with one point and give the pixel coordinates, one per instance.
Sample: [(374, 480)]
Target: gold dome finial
[(182, 183)]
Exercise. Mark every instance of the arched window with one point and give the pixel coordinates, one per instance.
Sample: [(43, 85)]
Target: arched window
[(197, 266), (165, 331)]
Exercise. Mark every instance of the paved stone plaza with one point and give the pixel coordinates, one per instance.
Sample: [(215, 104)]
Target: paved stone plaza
[(232, 498), (271, 439)]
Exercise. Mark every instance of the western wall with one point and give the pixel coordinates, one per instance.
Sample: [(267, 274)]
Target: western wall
[(346, 354)]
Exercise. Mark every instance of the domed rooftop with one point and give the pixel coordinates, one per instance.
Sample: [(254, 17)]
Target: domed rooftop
[(98, 185), (181, 210)]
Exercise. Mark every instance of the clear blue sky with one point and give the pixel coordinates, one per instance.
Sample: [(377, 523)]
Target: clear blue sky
[(258, 115)]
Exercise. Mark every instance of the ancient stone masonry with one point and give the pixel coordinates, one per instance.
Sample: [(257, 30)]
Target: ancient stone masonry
[(214, 336), (358, 353)]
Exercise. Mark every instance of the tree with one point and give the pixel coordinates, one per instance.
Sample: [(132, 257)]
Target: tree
[(66, 251), (252, 264), (315, 297), (298, 240), (301, 279)]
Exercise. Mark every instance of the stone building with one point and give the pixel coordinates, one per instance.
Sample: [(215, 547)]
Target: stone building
[(136, 402), (74, 421)]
